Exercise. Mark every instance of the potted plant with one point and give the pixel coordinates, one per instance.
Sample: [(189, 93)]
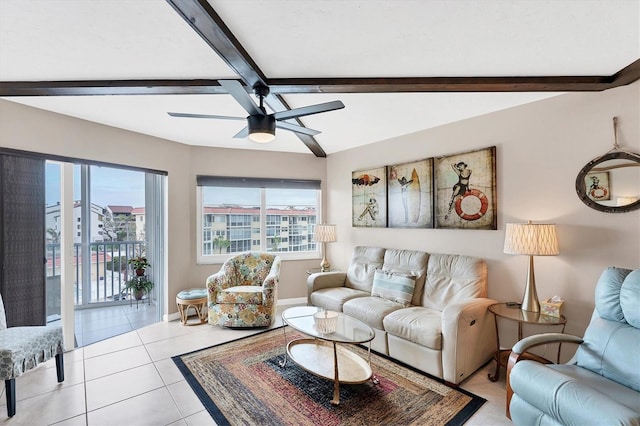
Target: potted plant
[(139, 264), (139, 286)]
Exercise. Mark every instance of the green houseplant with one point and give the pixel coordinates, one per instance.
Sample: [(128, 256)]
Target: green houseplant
[(139, 264), (139, 285)]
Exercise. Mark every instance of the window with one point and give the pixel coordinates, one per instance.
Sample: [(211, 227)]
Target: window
[(241, 214)]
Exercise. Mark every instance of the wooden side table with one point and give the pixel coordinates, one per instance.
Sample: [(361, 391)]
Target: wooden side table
[(514, 313)]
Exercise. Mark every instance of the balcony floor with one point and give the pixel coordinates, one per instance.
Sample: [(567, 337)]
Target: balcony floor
[(100, 323)]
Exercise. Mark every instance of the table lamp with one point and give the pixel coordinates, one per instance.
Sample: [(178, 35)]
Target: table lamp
[(325, 234), (532, 239)]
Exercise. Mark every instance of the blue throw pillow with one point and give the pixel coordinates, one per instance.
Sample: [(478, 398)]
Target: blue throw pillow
[(396, 287)]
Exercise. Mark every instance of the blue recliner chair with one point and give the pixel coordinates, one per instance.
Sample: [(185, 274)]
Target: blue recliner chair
[(600, 385)]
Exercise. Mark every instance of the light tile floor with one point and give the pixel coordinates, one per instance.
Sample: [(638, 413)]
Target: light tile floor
[(96, 324), (130, 379)]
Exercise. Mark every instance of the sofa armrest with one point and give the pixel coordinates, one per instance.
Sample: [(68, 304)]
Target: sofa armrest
[(542, 339), (468, 338), (322, 280), (522, 346)]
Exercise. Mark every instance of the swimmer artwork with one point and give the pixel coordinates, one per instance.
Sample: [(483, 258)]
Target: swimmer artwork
[(466, 190), (369, 198)]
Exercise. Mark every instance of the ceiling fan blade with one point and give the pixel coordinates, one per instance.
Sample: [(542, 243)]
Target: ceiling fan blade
[(236, 90), (242, 133), (297, 129), (308, 110), (186, 115)]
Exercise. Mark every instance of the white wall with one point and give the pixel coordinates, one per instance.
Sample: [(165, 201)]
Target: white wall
[(541, 147)]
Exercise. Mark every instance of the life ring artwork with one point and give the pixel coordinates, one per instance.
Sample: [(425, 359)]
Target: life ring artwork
[(369, 198), (410, 192), (466, 190), (597, 184)]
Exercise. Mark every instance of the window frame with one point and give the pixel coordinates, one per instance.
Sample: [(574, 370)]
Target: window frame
[(215, 258)]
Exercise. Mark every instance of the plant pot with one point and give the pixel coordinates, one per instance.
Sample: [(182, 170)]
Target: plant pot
[(140, 272), (138, 294)]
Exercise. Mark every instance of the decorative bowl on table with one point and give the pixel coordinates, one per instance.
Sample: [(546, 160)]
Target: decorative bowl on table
[(325, 321)]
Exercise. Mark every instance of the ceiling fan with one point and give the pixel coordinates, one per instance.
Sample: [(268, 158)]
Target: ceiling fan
[(261, 127)]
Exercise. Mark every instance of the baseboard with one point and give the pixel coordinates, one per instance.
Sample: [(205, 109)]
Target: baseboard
[(294, 301), (171, 317)]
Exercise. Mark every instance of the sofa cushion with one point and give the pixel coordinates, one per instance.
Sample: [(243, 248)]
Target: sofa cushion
[(630, 298), (608, 293), (364, 262), (409, 262), (452, 279), (416, 324), (396, 287), (333, 298), (622, 394), (370, 310)]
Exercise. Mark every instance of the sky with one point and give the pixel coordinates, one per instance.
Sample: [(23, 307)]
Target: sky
[(109, 186)]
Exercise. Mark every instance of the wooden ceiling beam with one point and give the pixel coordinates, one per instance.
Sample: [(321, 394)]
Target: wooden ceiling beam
[(207, 24), (110, 87), (438, 84), (283, 86), (627, 75), (201, 17)]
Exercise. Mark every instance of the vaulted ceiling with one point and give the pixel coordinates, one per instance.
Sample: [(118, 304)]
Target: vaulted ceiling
[(398, 66)]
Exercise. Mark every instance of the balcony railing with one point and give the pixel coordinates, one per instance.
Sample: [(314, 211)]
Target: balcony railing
[(109, 271)]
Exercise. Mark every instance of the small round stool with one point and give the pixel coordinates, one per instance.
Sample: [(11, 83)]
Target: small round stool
[(196, 298)]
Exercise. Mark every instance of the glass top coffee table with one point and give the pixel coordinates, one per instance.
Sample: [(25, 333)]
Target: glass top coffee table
[(323, 353)]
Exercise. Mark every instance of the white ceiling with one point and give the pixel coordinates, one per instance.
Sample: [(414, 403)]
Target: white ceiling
[(146, 39)]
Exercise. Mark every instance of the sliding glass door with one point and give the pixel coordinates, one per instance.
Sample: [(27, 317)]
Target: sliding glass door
[(106, 221)]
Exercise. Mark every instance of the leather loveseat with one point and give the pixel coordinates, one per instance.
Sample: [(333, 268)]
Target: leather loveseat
[(427, 310), (600, 385)]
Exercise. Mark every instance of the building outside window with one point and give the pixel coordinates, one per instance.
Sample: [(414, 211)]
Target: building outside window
[(242, 214)]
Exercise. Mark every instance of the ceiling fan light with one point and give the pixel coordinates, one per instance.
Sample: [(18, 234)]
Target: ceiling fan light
[(262, 137), (262, 129)]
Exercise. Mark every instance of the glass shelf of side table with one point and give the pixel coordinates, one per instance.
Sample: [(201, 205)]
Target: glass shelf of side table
[(514, 313)]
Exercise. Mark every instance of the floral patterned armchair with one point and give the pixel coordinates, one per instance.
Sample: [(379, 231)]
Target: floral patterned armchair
[(244, 292)]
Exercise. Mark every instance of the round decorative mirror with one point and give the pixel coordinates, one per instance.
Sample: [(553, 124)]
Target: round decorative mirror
[(611, 183)]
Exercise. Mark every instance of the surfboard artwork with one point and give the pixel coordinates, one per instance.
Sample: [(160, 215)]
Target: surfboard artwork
[(410, 192)]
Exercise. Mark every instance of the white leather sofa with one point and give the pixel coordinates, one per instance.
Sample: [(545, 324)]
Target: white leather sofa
[(443, 327)]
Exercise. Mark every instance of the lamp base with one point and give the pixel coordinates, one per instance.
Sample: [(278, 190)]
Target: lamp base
[(530, 298), (324, 265)]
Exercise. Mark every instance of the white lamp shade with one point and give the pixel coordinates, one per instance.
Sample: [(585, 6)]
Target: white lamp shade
[(325, 233), (534, 239)]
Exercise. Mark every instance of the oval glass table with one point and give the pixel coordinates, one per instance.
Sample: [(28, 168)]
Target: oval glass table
[(324, 353)]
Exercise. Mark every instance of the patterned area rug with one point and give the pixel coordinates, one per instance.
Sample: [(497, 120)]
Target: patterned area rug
[(241, 382)]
